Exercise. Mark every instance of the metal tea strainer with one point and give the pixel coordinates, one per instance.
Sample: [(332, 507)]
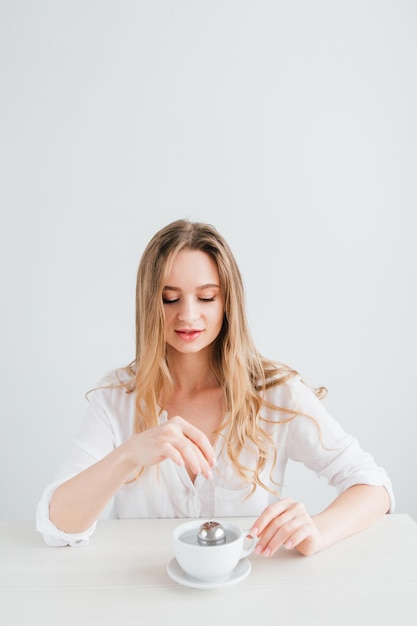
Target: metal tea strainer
[(211, 534)]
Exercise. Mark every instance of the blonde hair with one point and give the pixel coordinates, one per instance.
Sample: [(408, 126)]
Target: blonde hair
[(243, 373)]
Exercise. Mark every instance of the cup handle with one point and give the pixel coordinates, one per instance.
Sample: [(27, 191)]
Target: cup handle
[(252, 543)]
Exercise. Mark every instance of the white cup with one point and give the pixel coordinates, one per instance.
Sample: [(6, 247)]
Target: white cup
[(210, 562)]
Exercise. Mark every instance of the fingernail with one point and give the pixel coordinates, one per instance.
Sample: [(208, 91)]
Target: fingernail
[(288, 545), (267, 552), (254, 531), (259, 549), (209, 474)]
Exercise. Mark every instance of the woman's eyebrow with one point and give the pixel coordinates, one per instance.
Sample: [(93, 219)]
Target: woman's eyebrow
[(208, 286), (200, 288)]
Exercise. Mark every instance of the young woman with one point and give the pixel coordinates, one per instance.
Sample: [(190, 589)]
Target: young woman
[(201, 424)]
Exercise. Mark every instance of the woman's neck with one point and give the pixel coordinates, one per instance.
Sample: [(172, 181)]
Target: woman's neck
[(191, 372)]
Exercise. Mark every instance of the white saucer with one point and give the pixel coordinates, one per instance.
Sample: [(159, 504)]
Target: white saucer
[(241, 571)]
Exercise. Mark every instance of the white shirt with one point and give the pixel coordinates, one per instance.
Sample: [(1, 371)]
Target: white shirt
[(166, 490)]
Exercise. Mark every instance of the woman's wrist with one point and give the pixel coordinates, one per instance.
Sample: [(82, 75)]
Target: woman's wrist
[(128, 461)]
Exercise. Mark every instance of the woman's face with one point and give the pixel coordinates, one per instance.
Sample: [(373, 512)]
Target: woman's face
[(193, 302)]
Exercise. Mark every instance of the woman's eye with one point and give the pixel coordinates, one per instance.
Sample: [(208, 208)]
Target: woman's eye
[(173, 300)]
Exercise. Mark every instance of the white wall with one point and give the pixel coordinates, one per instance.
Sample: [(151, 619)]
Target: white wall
[(291, 126)]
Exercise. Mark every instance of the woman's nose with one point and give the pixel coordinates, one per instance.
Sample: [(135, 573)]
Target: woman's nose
[(189, 311)]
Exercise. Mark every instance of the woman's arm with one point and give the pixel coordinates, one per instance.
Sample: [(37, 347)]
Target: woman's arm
[(352, 511), (287, 522), (77, 503), (319, 442)]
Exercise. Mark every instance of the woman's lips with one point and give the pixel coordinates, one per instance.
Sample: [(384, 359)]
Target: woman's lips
[(188, 335)]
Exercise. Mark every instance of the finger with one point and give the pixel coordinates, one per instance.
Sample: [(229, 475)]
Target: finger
[(180, 451), (298, 536), (201, 441), (286, 534), (198, 438), (280, 529), (193, 458), (270, 513), (281, 521), (190, 454), (168, 451)]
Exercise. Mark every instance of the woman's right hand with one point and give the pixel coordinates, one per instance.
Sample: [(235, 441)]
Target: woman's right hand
[(177, 440), (77, 503)]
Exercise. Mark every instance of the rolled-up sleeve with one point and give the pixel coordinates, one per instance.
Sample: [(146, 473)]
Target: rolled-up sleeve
[(95, 440), (317, 440), (52, 535)]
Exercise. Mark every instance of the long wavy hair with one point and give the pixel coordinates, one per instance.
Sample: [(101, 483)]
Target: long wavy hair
[(243, 373)]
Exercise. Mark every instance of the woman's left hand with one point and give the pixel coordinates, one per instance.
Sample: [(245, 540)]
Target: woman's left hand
[(286, 523)]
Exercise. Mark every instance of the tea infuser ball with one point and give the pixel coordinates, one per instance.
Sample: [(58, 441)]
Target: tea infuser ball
[(211, 534)]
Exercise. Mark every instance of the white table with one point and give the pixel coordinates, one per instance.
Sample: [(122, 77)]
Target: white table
[(121, 579)]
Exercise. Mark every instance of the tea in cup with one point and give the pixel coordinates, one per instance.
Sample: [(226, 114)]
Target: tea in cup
[(210, 562)]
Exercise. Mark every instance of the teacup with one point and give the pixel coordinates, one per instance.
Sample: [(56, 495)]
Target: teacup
[(210, 562)]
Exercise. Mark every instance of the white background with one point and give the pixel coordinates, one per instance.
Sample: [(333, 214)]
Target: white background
[(290, 126)]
